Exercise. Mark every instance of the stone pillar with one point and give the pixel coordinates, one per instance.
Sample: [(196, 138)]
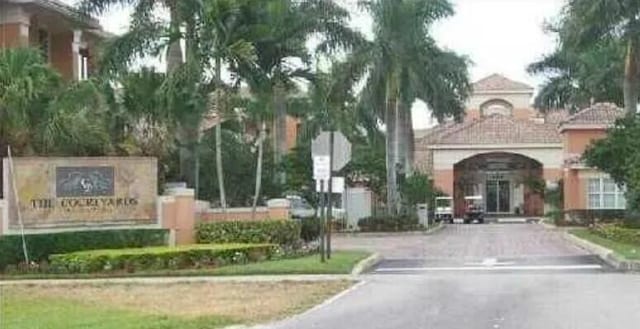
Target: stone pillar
[(278, 208), (167, 216), (180, 216)]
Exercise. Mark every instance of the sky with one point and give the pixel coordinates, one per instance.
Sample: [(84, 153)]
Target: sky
[(498, 36)]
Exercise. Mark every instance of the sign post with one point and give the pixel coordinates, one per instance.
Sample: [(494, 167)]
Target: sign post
[(322, 173), (337, 148)]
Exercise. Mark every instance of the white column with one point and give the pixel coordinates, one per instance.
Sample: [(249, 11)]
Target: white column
[(75, 53)]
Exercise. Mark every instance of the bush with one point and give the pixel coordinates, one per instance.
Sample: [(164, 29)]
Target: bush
[(159, 258), (389, 223), (586, 217), (309, 229), (618, 233), (281, 232), (40, 246)]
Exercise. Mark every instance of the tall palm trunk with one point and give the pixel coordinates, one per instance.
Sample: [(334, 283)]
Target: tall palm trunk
[(219, 109), (174, 52), (391, 149), (256, 196), (174, 60), (280, 127), (630, 85), (405, 134)]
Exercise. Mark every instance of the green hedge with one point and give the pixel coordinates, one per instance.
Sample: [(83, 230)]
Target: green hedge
[(389, 223), (159, 258), (40, 246), (586, 217), (618, 233), (281, 232)]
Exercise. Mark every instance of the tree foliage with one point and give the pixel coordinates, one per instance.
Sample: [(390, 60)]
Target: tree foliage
[(596, 57)]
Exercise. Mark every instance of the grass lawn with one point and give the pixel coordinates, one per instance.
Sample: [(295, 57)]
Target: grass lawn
[(341, 262), (158, 306), (629, 251)]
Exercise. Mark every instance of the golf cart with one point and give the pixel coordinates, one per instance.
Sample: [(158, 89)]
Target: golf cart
[(444, 209), (473, 206)]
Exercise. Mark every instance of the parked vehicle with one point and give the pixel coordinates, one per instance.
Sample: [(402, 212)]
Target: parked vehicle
[(300, 208), (444, 209), (474, 209)]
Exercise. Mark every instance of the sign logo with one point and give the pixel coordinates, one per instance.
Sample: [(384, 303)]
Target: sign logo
[(73, 182)]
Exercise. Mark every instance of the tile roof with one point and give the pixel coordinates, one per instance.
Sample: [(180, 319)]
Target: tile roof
[(497, 82), (599, 113), (499, 129)]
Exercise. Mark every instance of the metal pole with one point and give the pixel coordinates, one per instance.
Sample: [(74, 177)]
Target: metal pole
[(330, 189), (321, 221)]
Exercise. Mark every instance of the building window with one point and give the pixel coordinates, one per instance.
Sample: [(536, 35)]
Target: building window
[(604, 193), (43, 44)]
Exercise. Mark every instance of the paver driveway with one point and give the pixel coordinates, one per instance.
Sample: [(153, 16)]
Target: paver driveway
[(466, 242)]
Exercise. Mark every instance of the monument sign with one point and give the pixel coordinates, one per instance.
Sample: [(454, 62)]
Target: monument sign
[(69, 193)]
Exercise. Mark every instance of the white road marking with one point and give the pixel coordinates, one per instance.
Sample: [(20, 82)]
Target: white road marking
[(500, 268), (490, 262)]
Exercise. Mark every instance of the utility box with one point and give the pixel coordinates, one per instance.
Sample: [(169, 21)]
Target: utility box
[(423, 214), (357, 204)]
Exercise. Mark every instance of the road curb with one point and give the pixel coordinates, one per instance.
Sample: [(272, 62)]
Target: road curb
[(606, 255), (183, 279), (366, 264)]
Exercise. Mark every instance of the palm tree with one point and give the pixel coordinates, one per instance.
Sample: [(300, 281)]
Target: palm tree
[(39, 114), (403, 63), (280, 30), (586, 22), (146, 33), (577, 78), (221, 41), (149, 35)]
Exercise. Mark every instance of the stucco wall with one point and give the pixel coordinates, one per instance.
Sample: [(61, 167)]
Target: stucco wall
[(576, 141), (292, 132), (552, 174), (11, 36), (443, 179), (62, 53), (518, 100)]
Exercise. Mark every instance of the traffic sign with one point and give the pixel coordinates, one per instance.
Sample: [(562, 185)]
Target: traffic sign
[(341, 148), (321, 167)]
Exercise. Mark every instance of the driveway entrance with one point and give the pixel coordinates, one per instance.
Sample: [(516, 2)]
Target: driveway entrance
[(493, 247)]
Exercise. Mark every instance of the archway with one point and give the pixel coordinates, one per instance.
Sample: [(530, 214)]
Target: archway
[(510, 184)]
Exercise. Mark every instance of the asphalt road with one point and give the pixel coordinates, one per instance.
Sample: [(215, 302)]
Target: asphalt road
[(479, 277)]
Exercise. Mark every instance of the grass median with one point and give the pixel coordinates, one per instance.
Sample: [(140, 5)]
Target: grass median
[(158, 306), (627, 250)]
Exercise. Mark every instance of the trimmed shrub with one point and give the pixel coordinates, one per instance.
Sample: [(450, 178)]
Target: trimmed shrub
[(618, 233), (309, 229), (400, 223), (40, 246), (160, 258), (280, 232)]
